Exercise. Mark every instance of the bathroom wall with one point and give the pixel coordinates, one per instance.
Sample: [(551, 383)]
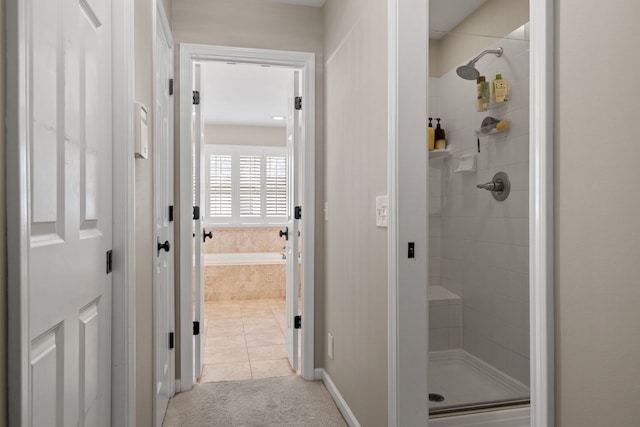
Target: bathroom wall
[(483, 252), (265, 25), (356, 165), (245, 135), (597, 240)]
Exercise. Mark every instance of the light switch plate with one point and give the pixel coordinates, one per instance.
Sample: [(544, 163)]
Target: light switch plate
[(382, 211)]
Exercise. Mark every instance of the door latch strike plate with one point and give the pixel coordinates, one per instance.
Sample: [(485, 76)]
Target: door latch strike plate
[(297, 322)]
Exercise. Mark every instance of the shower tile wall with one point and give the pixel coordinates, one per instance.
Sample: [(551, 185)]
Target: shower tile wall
[(479, 246)]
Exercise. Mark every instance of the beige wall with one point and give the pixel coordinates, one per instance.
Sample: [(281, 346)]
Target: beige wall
[(3, 221), (265, 25), (245, 135), (144, 211), (597, 245), (494, 19), (356, 164)]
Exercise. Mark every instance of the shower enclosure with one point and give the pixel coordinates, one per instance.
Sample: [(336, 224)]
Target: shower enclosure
[(478, 213)]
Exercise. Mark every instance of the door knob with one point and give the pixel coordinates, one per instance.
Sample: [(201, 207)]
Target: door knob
[(206, 235), (166, 246), (285, 233)]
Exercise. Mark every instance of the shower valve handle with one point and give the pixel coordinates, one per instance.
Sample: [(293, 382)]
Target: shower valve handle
[(492, 186)]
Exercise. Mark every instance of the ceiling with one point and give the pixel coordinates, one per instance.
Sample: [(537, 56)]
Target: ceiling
[(250, 95), (444, 15), (244, 94)]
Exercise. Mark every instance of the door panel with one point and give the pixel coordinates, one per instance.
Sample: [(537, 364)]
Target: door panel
[(163, 198), (199, 224), (69, 138), (292, 280)]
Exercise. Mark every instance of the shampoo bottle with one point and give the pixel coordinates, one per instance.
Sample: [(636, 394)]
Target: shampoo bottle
[(500, 89), (441, 142), (483, 93), (432, 136)]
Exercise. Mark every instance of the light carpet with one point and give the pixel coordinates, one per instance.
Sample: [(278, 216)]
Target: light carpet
[(285, 401)]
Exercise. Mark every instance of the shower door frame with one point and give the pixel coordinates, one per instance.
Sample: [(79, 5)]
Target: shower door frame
[(408, 307)]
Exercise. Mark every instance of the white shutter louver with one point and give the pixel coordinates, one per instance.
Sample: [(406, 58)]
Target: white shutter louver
[(276, 186), (250, 186), (220, 186)]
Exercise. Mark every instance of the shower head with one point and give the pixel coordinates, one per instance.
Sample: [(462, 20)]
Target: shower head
[(469, 71)]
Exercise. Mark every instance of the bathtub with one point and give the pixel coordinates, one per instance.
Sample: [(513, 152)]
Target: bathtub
[(244, 276), (244, 258)]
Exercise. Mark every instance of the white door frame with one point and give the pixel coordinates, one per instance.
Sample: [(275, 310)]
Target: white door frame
[(123, 320), (306, 63), (407, 308)]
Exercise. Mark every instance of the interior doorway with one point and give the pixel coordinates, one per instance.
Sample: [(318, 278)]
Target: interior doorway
[(244, 183), (250, 124)]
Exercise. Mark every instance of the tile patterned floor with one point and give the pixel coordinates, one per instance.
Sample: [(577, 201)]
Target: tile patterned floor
[(245, 340)]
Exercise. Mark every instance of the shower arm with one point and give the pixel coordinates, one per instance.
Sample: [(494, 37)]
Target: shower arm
[(498, 52)]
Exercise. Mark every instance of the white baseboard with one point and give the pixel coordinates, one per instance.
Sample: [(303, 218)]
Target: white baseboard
[(321, 374)]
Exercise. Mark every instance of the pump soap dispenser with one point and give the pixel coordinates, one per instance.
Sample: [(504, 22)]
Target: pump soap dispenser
[(441, 142), (432, 137)]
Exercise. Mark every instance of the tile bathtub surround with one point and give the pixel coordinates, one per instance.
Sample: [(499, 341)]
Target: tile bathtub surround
[(244, 239), (483, 244), (245, 340), (244, 282)]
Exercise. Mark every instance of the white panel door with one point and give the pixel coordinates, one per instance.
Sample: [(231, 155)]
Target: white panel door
[(68, 129), (199, 232), (292, 242), (163, 285)]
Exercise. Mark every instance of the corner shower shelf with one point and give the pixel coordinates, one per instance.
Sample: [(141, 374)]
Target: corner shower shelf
[(490, 130), (438, 154)]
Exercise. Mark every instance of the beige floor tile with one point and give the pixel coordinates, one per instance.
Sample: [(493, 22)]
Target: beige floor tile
[(271, 368), (267, 352), (265, 339), (223, 314), (227, 355), (226, 372), (261, 329), (225, 331), (221, 343)]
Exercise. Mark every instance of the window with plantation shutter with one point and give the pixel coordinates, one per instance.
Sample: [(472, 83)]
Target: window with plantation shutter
[(220, 186), (250, 194), (276, 186), (246, 185)]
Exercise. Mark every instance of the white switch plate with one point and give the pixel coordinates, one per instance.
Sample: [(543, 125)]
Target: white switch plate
[(382, 211), (330, 346)]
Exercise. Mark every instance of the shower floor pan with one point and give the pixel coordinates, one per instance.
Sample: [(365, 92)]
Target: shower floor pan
[(466, 381)]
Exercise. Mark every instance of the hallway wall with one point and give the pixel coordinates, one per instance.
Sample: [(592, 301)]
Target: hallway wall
[(597, 242), (143, 49), (264, 25), (356, 165)]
